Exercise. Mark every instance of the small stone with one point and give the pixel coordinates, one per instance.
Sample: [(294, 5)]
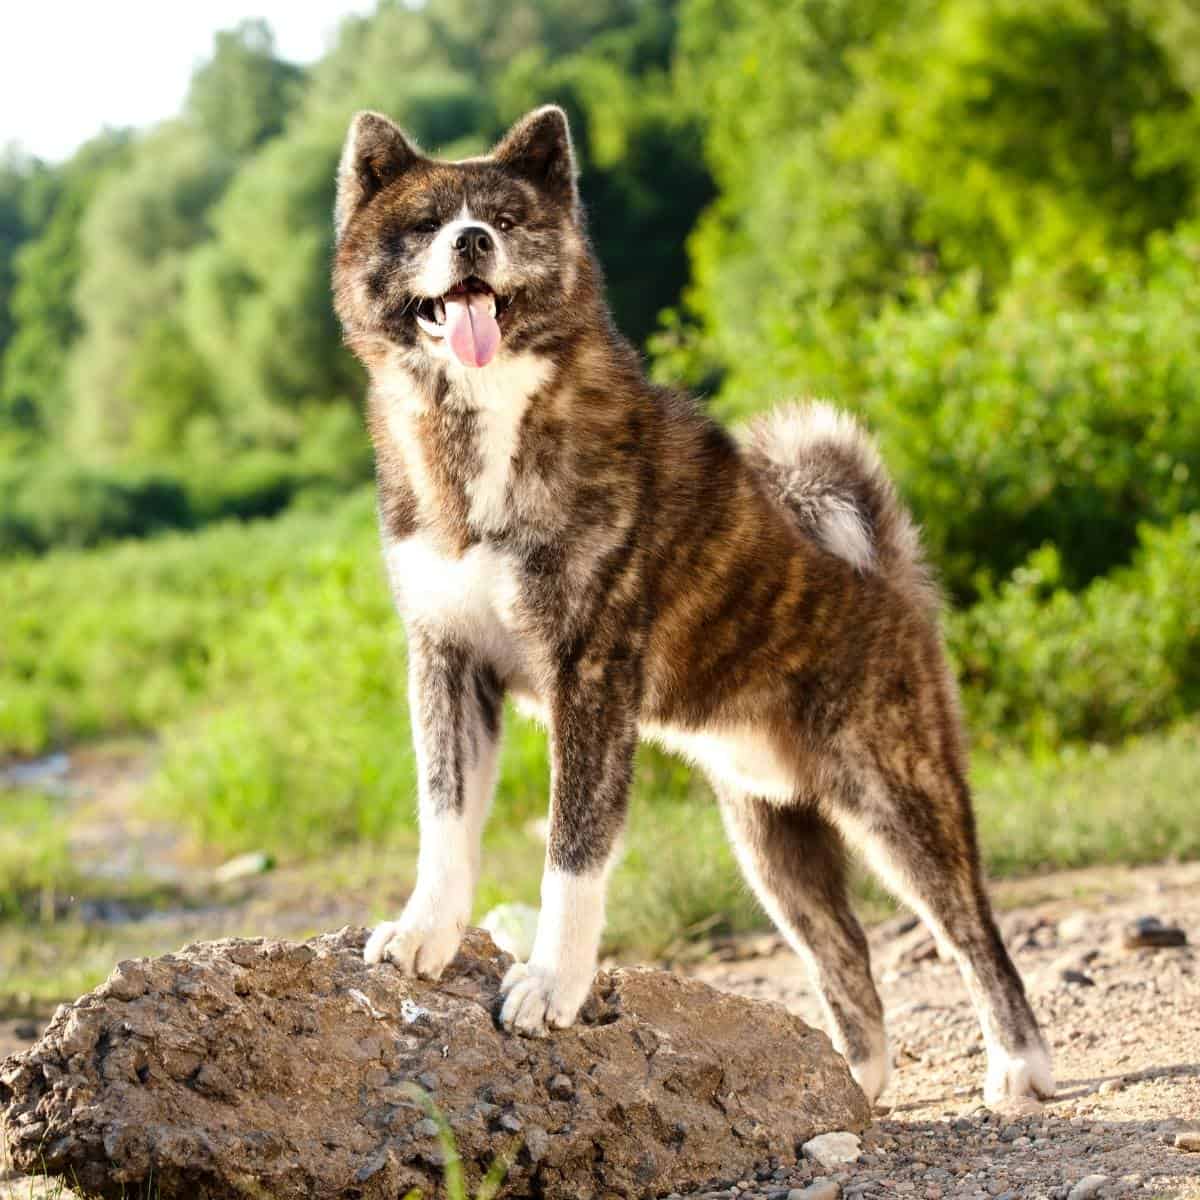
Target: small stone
[(1088, 1186), (833, 1149), (513, 927), (819, 1189), (242, 867), (1189, 1140), (1075, 927), (426, 1127), (1111, 1086), (1078, 978), (537, 1142), (1150, 932), (561, 1087), (511, 1122)]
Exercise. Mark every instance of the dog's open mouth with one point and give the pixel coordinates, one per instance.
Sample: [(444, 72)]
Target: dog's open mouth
[(467, 318)]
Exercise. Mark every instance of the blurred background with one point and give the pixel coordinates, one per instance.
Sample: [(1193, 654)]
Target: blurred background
[(974, 222)]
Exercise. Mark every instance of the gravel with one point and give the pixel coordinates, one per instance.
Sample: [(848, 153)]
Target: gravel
[(1126, 1121), (1136, 1028)]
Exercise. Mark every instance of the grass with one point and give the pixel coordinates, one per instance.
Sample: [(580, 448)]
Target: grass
[(268, 664), (455, 1183), (677, 879)]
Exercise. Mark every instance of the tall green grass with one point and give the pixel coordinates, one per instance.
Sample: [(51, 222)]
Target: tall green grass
[(268, 662)]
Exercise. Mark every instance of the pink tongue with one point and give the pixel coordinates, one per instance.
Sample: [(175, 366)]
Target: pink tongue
[(471, 329)]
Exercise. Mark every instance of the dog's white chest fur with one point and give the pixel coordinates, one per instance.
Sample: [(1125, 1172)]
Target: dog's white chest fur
[(470, 600)]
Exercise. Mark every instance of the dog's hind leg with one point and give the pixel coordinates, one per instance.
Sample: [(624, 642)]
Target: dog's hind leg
[(795, 862), (911, 818)]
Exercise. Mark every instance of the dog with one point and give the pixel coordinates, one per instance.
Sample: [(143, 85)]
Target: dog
[(560, 531)]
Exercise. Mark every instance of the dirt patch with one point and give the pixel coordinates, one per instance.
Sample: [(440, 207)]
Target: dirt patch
[(1126, 1047), (1124, 1026)]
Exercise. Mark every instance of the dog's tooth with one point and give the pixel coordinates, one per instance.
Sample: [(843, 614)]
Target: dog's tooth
[(439, 311)]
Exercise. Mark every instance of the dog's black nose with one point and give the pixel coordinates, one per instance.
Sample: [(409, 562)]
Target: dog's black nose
[(473, 243)]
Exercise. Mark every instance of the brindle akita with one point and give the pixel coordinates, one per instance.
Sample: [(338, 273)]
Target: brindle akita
[(560, 531)]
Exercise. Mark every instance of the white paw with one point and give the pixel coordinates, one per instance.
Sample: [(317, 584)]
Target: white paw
[(421, 950), (537, 1000), (1012, 1079), (871, 1074)]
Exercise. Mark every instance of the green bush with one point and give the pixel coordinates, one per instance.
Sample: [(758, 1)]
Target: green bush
[(1042, 665), (130, 637), (1049, 419), (48, 502), (59, 503)]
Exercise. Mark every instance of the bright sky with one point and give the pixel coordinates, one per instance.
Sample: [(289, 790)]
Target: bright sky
[(70, 67)]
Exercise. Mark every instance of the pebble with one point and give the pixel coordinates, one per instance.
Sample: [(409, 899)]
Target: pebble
[(1111, 1086), (1189, 1140), (1088, 1186), (833, 1149), (819, 1189), (1150, 932), (1079, 978), (561, 1087), (255, 863)]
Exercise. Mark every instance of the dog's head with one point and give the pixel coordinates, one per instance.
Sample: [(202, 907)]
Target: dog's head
[(457, 262)]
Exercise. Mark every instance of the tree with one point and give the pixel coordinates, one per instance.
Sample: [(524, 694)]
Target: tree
[(864, 148), (134, 238), (33, 391), (242, 94), (17, 183)]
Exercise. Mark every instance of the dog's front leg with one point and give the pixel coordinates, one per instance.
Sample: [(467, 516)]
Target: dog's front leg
[(593, 736), (455, 702)]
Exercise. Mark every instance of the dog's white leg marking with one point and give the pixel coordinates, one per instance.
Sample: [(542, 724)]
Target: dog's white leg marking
[(426, 937), (548, 991), (1019, 1064)]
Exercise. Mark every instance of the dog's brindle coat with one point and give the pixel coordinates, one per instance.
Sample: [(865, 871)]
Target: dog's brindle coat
[(559, 530)]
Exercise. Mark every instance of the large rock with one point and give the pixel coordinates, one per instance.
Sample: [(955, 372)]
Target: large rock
[(269, 1068)]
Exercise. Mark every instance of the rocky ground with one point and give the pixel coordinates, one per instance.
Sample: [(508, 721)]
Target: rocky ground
[(1124, 1025)]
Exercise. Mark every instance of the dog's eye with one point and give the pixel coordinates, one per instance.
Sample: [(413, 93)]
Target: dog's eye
[(505, 222), (427, 226)]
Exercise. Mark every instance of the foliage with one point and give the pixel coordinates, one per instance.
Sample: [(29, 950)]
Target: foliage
[(241, 96), (1042, 664), (35, 862), (863, 148), (1044, 418), (973, 221), (455, 1184), (33, 393), (53, 501)]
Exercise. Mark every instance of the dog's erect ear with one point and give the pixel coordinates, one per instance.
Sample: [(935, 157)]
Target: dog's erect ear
[(538, 146), (376, 152)]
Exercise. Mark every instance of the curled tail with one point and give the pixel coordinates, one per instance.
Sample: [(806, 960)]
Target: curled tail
[(823, 467)]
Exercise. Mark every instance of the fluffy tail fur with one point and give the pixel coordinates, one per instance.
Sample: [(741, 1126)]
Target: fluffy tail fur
[(824, 469)]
